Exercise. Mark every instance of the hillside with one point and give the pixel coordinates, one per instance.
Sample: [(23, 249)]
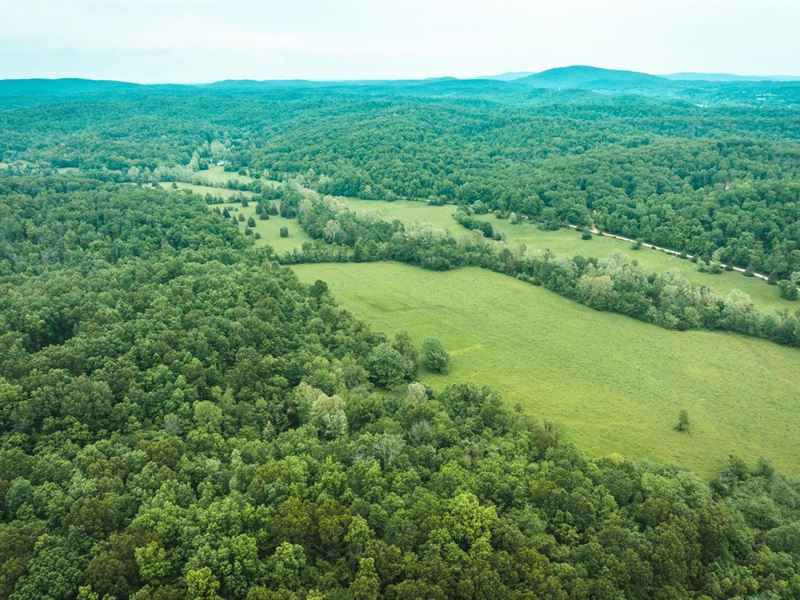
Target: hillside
[(592, 78)]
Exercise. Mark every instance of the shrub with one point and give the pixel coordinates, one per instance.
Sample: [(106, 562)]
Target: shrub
[(683, 421)]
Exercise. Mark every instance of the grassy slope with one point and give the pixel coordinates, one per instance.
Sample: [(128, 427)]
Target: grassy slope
[(409, 211), (269, 230), (569, 242), (215, 175), (615, 384)]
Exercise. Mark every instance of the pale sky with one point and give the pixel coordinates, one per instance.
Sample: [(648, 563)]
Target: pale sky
[(208, 41)]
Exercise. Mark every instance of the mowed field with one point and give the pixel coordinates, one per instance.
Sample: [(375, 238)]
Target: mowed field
[(568, 242), (613, 384)]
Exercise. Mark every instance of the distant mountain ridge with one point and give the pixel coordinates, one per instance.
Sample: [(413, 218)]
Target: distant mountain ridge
[(593, 78), (579, 78), (64, 85), (509, 76)]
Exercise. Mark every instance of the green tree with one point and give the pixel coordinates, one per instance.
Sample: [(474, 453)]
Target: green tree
[(683, 421), (434, 356)]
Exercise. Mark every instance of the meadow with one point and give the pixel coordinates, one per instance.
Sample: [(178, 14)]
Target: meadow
[(611, 383), (217, 175), (269, 229), (568, 242)]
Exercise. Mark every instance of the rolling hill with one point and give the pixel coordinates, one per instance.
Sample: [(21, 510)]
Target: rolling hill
[(593, 78)]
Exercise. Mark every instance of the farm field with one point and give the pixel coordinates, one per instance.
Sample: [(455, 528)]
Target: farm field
[(614, 384), (568, 242)]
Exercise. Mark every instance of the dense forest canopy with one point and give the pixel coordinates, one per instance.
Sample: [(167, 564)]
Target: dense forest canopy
[(180, 417), (706, 168)]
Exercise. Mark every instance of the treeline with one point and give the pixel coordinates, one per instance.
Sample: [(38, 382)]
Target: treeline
[(181, 418), (733, 200), (720, 181), (613, 284)]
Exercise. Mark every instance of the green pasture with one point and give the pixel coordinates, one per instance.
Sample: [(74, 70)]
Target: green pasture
[(568, 242), (216, 175), (612, 383), (269, 229)]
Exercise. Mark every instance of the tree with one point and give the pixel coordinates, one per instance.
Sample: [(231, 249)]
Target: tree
[(328, 414), (787, 289), (286, 565), (202, 585), (683, 421), (388, 367), (251, 222), (284, 232), (434, 356), (366, 585), (332, 228)]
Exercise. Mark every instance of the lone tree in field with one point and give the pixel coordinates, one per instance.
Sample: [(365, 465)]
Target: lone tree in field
[(251, 222), (284, 232), (434, 357), (683, 421)]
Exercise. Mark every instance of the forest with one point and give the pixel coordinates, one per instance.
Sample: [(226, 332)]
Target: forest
[(716, 180), (181, 417)]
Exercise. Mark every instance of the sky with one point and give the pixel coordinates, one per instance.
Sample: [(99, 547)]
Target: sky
[(209, 41)]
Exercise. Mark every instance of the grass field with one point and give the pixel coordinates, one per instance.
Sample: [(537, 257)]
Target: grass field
[(614, 384), (407, 211), (568, 242), (217, 192), (269, 230), (215, 175)]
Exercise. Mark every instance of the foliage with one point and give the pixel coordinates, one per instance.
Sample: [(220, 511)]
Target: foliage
[(434, 357), (612, 284)]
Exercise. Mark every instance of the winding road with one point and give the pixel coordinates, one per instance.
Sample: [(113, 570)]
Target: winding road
[(727, 267)]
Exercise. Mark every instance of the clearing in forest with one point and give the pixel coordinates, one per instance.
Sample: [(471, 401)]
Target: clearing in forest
[(615, 384)]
